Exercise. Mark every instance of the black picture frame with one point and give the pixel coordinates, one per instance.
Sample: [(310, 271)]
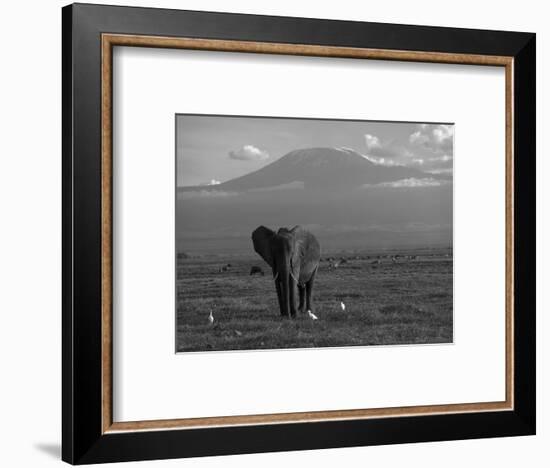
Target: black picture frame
[(84, 440)]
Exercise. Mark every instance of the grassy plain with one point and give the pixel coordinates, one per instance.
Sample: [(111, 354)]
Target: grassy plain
[(402, 301)]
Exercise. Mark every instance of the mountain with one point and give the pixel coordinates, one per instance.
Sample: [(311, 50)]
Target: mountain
[(347, 201), (327, 169)]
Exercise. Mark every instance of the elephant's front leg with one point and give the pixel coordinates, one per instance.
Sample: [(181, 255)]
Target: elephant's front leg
[(293, 290), (309, 292), (279, 289), (302, 293)]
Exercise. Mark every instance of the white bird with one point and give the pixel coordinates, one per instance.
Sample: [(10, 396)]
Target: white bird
[(312, 316), (211, 318), (342, 306)]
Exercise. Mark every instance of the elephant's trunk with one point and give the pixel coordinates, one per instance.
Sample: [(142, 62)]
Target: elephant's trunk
[(284, 277)]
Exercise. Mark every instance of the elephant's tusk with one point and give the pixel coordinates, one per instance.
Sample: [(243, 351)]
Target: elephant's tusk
[(275, 276)]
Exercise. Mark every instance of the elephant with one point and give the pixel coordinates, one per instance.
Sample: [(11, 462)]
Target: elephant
[(294, 256)]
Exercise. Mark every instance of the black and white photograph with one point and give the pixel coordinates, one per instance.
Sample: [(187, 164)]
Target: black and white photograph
[(310, 233)]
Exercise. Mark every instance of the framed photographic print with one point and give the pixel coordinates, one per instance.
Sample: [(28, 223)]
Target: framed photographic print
[(359, 224), (289, 233)]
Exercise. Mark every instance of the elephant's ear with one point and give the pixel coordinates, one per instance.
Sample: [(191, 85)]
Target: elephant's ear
[(261, 238)]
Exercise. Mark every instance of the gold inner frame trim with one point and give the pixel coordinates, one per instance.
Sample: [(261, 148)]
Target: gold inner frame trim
[(108, 41)]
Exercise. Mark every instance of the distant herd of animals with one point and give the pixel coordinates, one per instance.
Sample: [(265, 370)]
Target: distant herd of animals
[(376, 259), (334, 262)]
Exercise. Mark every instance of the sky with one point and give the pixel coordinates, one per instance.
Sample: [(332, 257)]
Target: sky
[(214, 149)]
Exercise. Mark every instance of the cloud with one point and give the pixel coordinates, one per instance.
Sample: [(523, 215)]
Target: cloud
[(410, 183), (372, 141), (428, 148), (205, 194), (442, 170), (387, 153), (211, 182), (249, 153), (381, 161), (290, 186), (442, 158), (413, 182), (436, 138), (378, 149)]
